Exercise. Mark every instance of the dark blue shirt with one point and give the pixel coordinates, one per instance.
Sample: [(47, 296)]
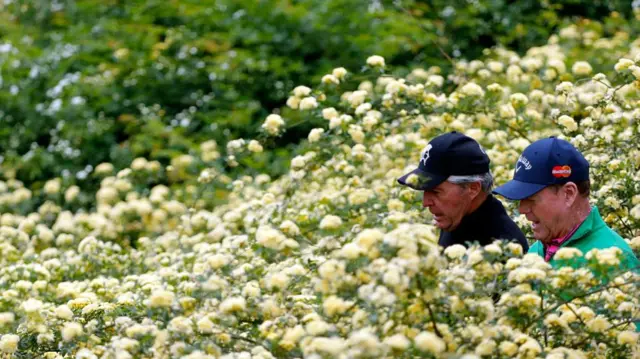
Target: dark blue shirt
[(484, 225)]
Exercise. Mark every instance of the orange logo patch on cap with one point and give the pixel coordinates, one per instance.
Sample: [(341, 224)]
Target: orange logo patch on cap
[(561, 171)]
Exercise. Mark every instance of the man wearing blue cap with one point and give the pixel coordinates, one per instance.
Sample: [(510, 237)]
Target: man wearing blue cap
[(551, 181), (454, 174)]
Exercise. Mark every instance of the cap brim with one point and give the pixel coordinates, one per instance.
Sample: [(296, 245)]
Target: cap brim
[(423, 180), (517, 190)]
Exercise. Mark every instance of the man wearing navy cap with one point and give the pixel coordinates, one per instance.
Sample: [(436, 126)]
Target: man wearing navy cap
[(551, 181), (454, 174)]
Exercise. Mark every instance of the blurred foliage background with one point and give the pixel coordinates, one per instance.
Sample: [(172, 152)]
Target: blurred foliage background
[(84, 82)]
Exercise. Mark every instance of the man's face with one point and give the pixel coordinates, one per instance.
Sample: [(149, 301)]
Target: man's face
[(448, 204), (546, 210)]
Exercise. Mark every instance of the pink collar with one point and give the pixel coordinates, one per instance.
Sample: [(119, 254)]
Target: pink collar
[(554, 244)]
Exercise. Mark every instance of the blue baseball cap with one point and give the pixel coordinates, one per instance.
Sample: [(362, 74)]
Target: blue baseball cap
[(543, 163), (450, 154)]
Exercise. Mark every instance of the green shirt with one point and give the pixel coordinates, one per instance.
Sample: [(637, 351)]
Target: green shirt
[(593, 233)]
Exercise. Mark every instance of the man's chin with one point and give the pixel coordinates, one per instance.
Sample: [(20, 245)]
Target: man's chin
[(540, 236), (443, 226)]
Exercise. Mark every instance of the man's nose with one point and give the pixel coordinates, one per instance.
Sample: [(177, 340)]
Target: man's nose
[(427, 201), (523, 208)]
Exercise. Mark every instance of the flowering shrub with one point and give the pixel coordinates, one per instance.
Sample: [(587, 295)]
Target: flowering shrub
[(85, 82), (335, 259)]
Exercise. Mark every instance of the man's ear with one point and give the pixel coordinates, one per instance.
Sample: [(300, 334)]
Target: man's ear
[(474, 189), (570, 193)]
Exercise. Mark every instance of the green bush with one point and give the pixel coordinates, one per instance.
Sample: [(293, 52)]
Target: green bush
[(86, 82)]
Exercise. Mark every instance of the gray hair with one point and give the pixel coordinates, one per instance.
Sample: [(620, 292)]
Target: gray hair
[(486, 180)]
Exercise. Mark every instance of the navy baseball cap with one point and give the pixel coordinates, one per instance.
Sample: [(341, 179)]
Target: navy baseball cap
[(450, 154), (543, 163)]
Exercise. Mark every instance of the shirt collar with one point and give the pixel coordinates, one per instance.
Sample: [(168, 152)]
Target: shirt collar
[(593, 221), (552, 247), (559, 241)]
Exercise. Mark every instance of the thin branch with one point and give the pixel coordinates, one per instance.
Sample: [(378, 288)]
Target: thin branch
[(588, 332), (406, 11), (295, 124), (433, 321), (577, 316), (591, 79), (237, 337), (584, 295), (502, 122), (624, 322), (626, 226), (546, 334), (431, 316), (519, 132), (514, 129)]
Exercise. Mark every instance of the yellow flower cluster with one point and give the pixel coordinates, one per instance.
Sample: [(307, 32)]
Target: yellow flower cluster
[(335, 259)]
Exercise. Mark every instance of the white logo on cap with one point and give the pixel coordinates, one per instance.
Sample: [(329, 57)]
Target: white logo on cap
[(425, 154), (481, 149), (525, 162)]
